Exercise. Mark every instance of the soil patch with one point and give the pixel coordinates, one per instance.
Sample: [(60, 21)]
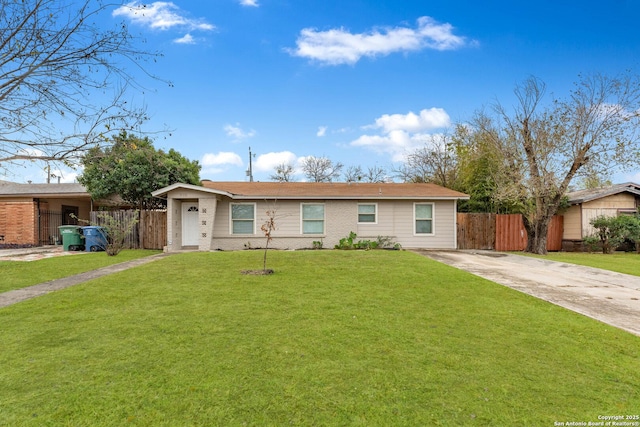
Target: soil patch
[(258, 272)]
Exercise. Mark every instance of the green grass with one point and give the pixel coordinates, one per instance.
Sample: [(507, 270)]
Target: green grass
[(621, 262), (20, 274), (358, 338)]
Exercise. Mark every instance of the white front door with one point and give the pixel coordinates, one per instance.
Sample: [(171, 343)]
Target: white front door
[(190, 227)]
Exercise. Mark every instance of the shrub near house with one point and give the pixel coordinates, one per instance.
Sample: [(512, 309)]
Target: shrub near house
[(613, 231)]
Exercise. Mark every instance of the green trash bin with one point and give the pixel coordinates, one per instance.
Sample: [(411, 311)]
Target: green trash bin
[(72, 238)]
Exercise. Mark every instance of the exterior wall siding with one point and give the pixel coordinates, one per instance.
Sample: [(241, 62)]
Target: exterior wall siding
[(607, 206), (572, 223), (394, 219)]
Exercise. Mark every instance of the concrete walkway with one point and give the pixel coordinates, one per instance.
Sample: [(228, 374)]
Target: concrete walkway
[(610, 297), (18, 295)]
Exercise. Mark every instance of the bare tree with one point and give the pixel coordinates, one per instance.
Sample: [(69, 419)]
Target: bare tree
[(268, 228), (321, 169), (376, 174), (353, 174), (283, 173), (372, 174), (543, 147), (62, 79), (435, 163)]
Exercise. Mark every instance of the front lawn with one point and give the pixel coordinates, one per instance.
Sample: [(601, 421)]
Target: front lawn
[(621, 262), (20, 274), (373, 338)]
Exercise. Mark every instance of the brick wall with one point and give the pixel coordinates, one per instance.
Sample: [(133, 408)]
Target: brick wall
[(18, 222)]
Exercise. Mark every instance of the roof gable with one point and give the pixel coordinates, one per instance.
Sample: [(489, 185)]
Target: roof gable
[(583, 196)]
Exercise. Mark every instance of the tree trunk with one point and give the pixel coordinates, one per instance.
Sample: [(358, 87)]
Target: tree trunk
[(537, 234)]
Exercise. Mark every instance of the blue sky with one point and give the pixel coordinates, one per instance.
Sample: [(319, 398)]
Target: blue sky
[(361, 82)]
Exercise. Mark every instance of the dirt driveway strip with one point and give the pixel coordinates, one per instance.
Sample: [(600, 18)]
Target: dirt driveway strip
[(610, 297), (18, 295)]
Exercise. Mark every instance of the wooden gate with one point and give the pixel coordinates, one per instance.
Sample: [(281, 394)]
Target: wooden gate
[(476, 231), (153, 229), (510, 233)]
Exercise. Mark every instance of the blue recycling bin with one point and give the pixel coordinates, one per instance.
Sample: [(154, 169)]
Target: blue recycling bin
[(95, 238)]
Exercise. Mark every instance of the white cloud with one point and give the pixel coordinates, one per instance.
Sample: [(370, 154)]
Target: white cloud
[(631, 177), (322, 131), (223, 158), (186, 39), (401, 134), (396, 143), (251, 3), (433, 118), (339, 46), (237, 132), (161, 15), (268, 162), (64, 176)]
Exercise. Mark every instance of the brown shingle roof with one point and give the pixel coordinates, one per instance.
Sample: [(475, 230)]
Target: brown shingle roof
[(335, 190)]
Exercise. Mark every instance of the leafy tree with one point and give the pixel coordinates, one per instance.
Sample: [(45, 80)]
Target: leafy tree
[(62, 79), (476, 160), (132, 168), (435, 162), (321, 169), (542, 147), (283, 173)]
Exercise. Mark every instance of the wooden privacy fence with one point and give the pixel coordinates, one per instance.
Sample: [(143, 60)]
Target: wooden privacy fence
[(149, 233), (476, 231), (502, 232)]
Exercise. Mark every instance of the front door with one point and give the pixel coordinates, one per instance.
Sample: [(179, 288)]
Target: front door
[(190, 227)]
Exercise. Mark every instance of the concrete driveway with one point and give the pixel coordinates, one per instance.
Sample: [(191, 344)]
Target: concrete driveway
[(612, 298)]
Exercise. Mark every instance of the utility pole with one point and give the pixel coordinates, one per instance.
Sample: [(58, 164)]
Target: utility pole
[(250, 170)]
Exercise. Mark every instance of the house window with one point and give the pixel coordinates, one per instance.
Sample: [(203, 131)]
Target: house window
[(243, 218), (367, 213), (312, 218), (423, 214)]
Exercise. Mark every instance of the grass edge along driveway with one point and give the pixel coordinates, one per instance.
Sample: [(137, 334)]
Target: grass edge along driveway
[(20, 274), (332, 338)]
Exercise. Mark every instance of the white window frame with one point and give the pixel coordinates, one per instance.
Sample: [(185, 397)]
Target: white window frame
[(302, 219), (231, 220), (375, 213), (433, 220)]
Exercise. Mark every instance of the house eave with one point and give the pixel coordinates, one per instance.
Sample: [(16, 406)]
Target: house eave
[(354, 197)]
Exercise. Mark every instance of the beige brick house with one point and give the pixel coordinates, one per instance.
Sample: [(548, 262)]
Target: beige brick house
[(31, 213), (587, 204), (228, 215)]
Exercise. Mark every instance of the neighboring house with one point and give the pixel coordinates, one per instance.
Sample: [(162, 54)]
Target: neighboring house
[(585, 205), (228, 215), (31, 213)]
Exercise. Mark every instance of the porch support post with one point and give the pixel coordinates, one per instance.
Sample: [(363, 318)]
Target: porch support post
[(207, 214)]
